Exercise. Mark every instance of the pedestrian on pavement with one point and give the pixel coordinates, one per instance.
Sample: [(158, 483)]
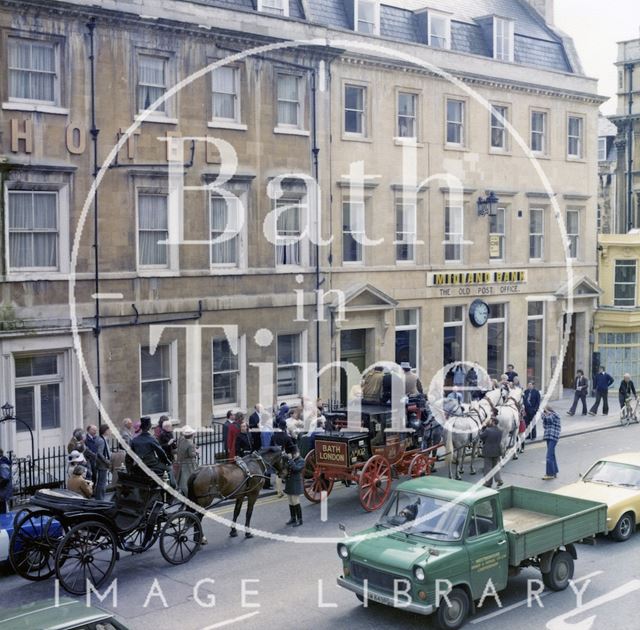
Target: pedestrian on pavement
[(243, 441), (77, 459), (516, 382), (225, 431), (531, 402), (103, 461), (581, 386), (157, 431), (293, 488), (92, 450), (167, 440), (146, 447), (412, 384), (232, 434), (186, 458), (76, 443), (491, 437), (510, 373), (127, 431), (626, 390), (603, 382), (254, 427), (266, 429), (6, 483), (552, 429), (78, 483), (136, 430)]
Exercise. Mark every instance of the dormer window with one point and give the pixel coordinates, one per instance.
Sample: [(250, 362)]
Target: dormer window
[(277, 7), (439, 29), (367, 16), (502, 39)]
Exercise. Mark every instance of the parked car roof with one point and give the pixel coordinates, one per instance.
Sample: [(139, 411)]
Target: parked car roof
[(631, 458), (447, 489), (45, 615)]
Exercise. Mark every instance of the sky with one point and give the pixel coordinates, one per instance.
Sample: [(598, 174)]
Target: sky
[(596, 26)]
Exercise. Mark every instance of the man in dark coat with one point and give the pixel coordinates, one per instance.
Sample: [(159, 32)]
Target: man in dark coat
[(6, 485), (146, 447), (511, 373), (103, 462), (626, 390), (243, 443), (581, 386), (531, 402), (254, 427), (282, 438), (92, 448), (225, 432), (491, 437), (603, 382)]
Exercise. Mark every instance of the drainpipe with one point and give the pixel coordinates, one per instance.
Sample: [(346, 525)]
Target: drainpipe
[(315, 151), (91, 25), (630, 222)]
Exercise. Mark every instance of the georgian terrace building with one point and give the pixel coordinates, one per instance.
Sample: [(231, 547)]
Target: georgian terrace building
[(233, 320)]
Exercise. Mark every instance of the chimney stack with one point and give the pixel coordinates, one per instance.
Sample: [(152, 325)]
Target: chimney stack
[(544, 8)]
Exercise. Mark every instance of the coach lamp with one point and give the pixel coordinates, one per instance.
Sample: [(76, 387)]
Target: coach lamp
[(488, 205)]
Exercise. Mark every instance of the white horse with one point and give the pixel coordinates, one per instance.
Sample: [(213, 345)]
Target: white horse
[(509, 419)]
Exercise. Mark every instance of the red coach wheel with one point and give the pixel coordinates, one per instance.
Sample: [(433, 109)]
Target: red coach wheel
[(314, 480), (375, 483), (420, 466)]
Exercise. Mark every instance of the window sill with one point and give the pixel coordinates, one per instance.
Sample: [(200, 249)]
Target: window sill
[(353, 263), (579, 160), (33, 276), (292, 269), (496, 151), (158, 273), (455, 147), (540, 156), (41, 108), (410, 142), (355, 137), (291, 131), (223, 124), (163, 120)]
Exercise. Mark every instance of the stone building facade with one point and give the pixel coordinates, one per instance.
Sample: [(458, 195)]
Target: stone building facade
[(201, 307)]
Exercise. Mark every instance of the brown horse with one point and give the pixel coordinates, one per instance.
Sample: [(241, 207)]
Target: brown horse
[(216, 483)]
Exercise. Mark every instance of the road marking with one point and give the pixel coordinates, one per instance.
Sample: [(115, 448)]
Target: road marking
[(324, 506), (228, 622), (524, 602)]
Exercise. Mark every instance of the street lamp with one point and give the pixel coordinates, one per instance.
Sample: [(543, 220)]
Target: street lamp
[(7, 415), (488, 205)]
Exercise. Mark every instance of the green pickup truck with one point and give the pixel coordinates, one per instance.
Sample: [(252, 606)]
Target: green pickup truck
[(440, 545)]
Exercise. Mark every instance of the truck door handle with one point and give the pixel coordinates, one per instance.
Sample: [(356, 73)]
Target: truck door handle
[(502, 542)]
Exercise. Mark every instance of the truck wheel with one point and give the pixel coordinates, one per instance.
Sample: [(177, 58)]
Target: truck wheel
[(451, 617), (561, 571), (625, 527)]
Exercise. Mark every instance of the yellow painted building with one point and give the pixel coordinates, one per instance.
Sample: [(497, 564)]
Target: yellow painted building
[(617, 320)]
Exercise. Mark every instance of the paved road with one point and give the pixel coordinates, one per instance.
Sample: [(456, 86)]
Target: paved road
[(293, 579)]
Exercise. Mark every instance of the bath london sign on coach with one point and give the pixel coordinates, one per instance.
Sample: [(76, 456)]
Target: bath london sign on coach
[(228, 164)]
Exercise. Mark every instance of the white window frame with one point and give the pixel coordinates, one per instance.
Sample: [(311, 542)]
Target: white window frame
[(239, 199), (459, 323), (460, 124), (282, 127), (573, 237), (539, 235), (416, 115), (503, 38), (544, 134), (542, 317), (31, 183), (172, 412), (354, 229), (500, 320), (409, 210), (356, 16), (56, 102), (363, 112), (502, 110), (237, 117), (296, 397), (410, 327), (630, 262), (168, 115), (579, 139), (301, 202), (602, 148), (265, 6), (436, 15), (501, 235), (241, 403), (448, 235)]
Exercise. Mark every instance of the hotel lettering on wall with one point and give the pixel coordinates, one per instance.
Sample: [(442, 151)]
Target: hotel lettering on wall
[(475, 283)]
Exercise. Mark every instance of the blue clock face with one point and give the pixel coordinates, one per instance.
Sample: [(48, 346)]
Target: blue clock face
[(479, 313)]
